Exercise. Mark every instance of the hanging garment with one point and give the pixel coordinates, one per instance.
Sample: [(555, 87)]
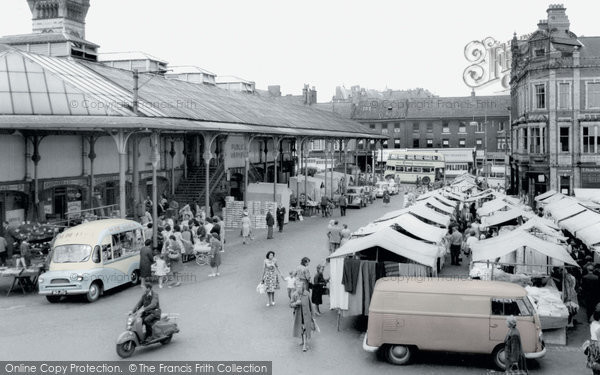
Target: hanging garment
[(391, 269), (338, 297), (355, 300), (369, 275), (350, 275)]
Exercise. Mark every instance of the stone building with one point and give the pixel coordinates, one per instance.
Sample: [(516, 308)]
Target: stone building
[(555, 93)]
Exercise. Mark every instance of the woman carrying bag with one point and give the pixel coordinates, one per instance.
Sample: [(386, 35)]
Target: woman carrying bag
[(304, 322), (516, 363)]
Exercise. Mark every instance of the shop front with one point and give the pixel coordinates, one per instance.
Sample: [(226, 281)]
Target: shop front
[(63, 199), (13, 203), (590, 177)]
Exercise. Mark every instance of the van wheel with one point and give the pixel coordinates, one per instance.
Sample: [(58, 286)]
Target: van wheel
[(399, 354), (94, 292), (135, 277), (499, 357)]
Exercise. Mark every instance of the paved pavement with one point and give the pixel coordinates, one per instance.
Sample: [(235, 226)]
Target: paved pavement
[(225, 319)]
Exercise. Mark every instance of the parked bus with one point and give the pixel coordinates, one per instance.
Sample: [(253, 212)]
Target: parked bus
[(407, 166)]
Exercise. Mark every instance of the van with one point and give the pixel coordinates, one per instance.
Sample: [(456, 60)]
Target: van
[(93, 257), (434, 314)]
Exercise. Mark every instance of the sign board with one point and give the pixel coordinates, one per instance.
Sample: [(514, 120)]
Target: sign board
[(15, 217), (73, 209), (48, 209), (15, 187), (51, 184), (235, 151)]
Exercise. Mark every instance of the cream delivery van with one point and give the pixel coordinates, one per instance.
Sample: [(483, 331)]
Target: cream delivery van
[(469, 316), (93, 257)]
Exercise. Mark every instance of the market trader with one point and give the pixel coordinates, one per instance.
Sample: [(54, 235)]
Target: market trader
[(150, 309)]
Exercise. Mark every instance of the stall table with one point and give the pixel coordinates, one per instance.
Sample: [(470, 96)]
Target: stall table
[(25, 278)]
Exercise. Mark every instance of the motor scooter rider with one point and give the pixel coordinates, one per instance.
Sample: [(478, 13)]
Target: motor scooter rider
[(150, 308)]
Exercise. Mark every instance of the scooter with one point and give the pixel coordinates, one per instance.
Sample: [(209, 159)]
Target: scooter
[(162, 332)]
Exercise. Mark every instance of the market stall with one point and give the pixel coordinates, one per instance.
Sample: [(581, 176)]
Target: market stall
[(360, 262), (500, 218), (492, 206), (438, 206), (579, 221), (408, 223), (428, 215), (520, 257)]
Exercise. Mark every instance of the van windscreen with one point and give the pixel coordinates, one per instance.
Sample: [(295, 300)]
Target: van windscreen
[(71, 253)]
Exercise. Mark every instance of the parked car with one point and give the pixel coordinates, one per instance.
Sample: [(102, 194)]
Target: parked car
[(356, 196), (369, 194)]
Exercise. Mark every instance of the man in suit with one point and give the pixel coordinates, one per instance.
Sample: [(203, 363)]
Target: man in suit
[(280, 216), (590, 284)]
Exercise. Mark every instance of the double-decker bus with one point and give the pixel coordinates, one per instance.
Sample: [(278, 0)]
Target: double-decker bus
[(410, 167)]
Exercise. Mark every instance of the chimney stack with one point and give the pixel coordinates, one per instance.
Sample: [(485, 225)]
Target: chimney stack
[(557, 19)]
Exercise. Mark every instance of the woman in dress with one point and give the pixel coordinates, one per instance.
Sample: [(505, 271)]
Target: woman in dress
[(303, 314), (270, 278), (245, 227), (215, 254), (319, 284), (174, 250)]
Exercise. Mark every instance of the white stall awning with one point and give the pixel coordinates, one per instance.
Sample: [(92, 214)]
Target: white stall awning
[(420, 210)]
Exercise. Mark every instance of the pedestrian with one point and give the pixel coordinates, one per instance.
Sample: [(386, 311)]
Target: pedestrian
[(456, 240), (515, 357), (324, 203), (174, 250), (280, 216), (303, 315), (3, 251), (468, 250), (222, 232), (319, 284), (335, 237), (245, 227), (303, 273), (590, 285), (270, 277), (146, 260), (215, 254), (593, 348), (149, 232), (345, 233), (570, 296), (25, 250), (162, 270), (270, 223), (343, 203), (386, 197), (291, 283)]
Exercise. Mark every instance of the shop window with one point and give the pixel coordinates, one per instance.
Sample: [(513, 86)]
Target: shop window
[(396, 143), (445, 143), (564, 139), (430, 143), (416, 143)]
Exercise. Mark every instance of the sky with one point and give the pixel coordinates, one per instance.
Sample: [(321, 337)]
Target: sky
[(376, 44)]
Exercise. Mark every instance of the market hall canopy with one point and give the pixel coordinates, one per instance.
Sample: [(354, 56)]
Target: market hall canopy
[(395, 242), (508, 242), (57, 94)]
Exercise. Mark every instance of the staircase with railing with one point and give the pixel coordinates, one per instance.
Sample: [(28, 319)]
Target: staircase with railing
[(189, 190)]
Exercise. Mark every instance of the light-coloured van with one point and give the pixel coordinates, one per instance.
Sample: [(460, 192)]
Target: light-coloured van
[(93, 257), (434, 314)]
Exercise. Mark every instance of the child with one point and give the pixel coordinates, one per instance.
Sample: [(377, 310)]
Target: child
[(161, 269), (291, 283)]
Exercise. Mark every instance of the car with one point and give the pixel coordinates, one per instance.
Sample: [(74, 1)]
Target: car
[(356, 196)]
